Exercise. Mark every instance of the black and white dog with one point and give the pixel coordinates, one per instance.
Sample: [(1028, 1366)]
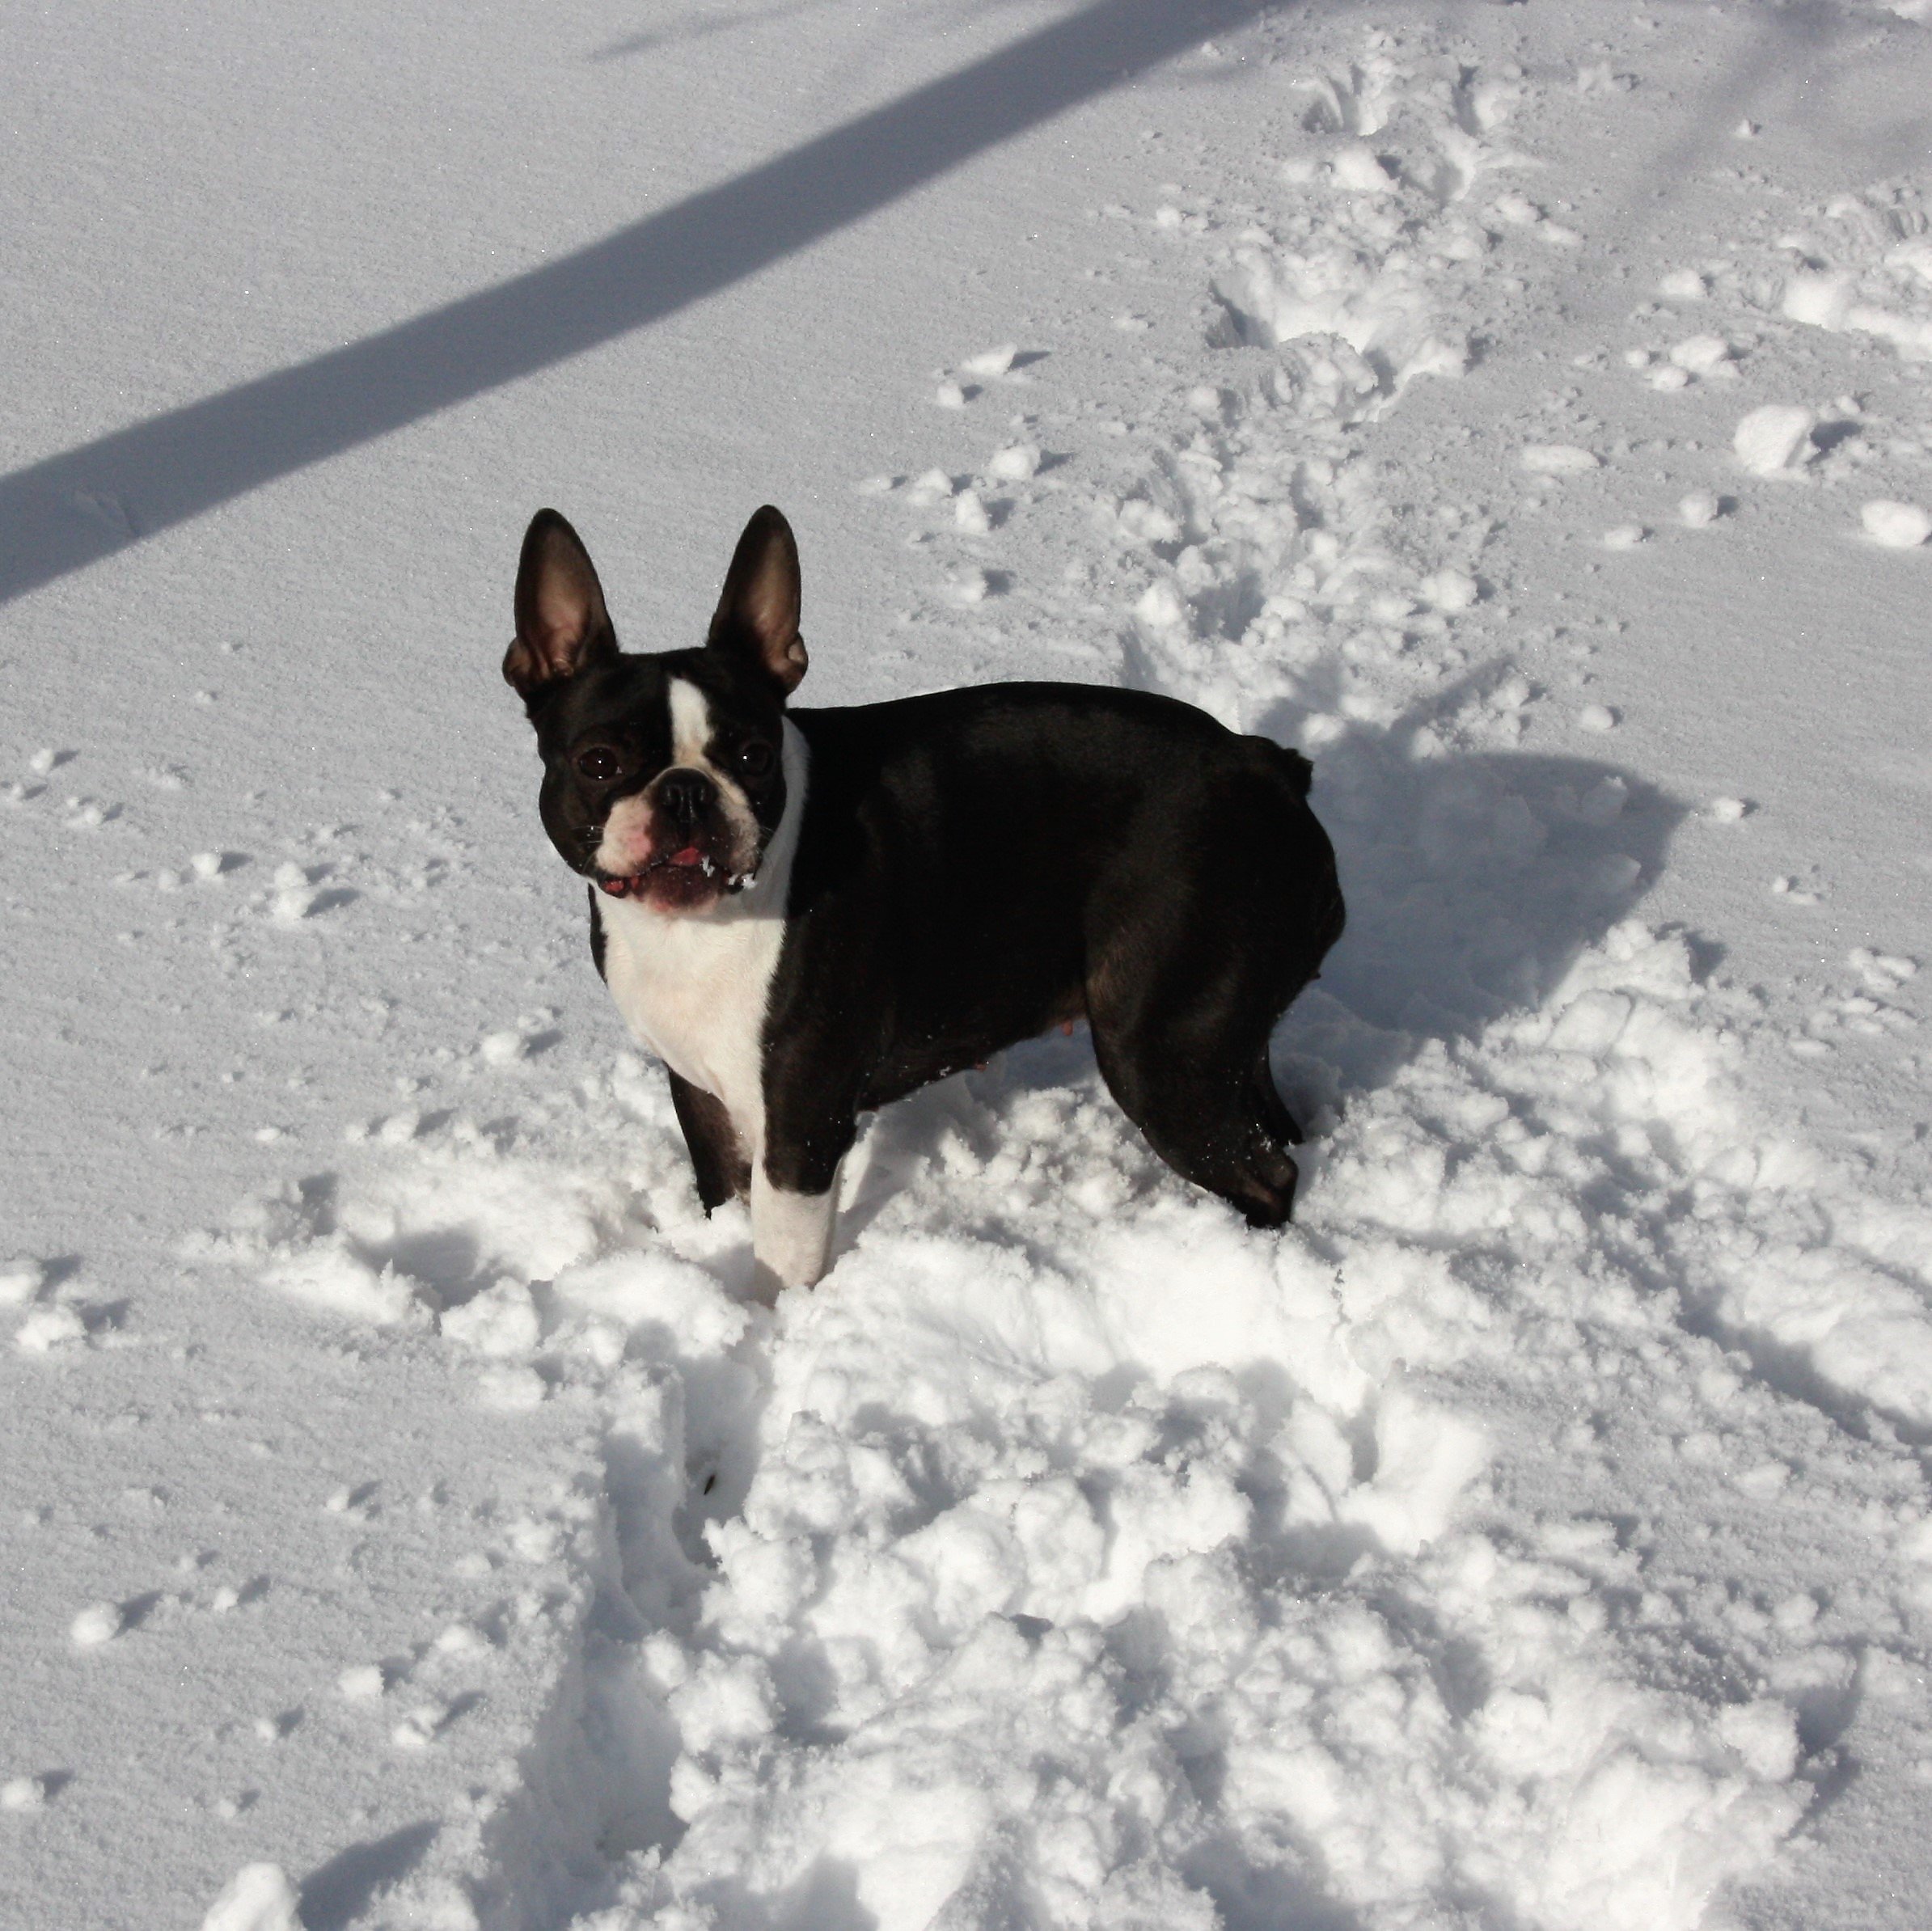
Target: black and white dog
[(806, 913)]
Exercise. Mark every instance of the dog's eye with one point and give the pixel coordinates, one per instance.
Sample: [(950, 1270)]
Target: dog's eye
[(755, 758), (600, 764)]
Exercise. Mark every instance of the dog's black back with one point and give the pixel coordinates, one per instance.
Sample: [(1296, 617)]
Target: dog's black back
[(976, 865)]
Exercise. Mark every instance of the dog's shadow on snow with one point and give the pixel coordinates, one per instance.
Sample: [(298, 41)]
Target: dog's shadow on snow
[(1473, 881)]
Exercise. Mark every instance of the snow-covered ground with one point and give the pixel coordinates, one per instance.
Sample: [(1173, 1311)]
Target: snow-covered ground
[(1526, 410)]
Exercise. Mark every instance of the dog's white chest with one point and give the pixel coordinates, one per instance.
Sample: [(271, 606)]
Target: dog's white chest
[(693, 988)]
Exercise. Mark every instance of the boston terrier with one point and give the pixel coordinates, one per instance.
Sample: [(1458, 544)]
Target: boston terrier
[(807, 914)]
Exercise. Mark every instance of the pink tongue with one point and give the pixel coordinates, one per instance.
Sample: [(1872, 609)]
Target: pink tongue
[(690, 855)]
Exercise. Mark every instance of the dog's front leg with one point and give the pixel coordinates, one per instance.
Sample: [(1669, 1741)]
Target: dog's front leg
[(791, 1233), (795, 1194)]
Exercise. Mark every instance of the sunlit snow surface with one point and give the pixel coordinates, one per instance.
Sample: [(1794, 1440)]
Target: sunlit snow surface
[(413, 1522)]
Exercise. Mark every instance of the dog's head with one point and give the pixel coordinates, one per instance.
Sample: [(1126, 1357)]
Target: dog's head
[(663, 775)]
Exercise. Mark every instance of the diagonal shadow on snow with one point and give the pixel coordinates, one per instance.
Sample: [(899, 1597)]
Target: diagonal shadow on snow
[(176, 466)]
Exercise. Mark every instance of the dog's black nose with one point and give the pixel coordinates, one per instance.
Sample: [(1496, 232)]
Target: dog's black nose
[(682, 795)]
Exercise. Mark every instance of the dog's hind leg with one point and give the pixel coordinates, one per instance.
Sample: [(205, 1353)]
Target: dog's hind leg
[(1181, 1034), (718, 1157), (1205, 1115), (1273, 1108)]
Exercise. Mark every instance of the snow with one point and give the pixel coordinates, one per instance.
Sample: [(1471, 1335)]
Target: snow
[(1774, 440), (1896, 525), (410, 1517), (260, 1898)]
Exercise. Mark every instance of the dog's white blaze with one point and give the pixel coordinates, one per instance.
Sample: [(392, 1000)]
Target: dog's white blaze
[(693, 987), (791, 1233), (625, 846), (691, 726), (691, 749)]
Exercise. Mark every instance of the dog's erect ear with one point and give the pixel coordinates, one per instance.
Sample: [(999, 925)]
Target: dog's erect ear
[(757, 615), (561, 622)]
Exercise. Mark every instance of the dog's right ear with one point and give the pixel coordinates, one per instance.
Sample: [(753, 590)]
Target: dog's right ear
[(561, 622)]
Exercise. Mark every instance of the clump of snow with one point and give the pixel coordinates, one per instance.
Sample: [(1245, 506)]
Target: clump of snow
[(295, 895), (364, 1684), (1558, 459), (419, 1727), (259, 1897), (1017, 462), (990, 363), (20, 1280), (1360, 169), (47, 1328), (1449, 590), (98, 1623), (504, 1047), (1701, 355), (1896, 525), (1775, 440), (1823, 300), (970, 513)]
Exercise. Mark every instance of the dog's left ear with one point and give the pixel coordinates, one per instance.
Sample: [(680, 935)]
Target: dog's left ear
[(758, 614), (561, 622)]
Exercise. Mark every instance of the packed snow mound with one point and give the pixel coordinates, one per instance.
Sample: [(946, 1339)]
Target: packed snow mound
[(1075, 1542)]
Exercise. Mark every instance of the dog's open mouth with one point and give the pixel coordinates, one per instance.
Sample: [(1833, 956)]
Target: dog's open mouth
[(681, 878)]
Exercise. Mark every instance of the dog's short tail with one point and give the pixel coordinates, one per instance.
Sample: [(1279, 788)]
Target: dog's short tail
[(1300, 773)]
